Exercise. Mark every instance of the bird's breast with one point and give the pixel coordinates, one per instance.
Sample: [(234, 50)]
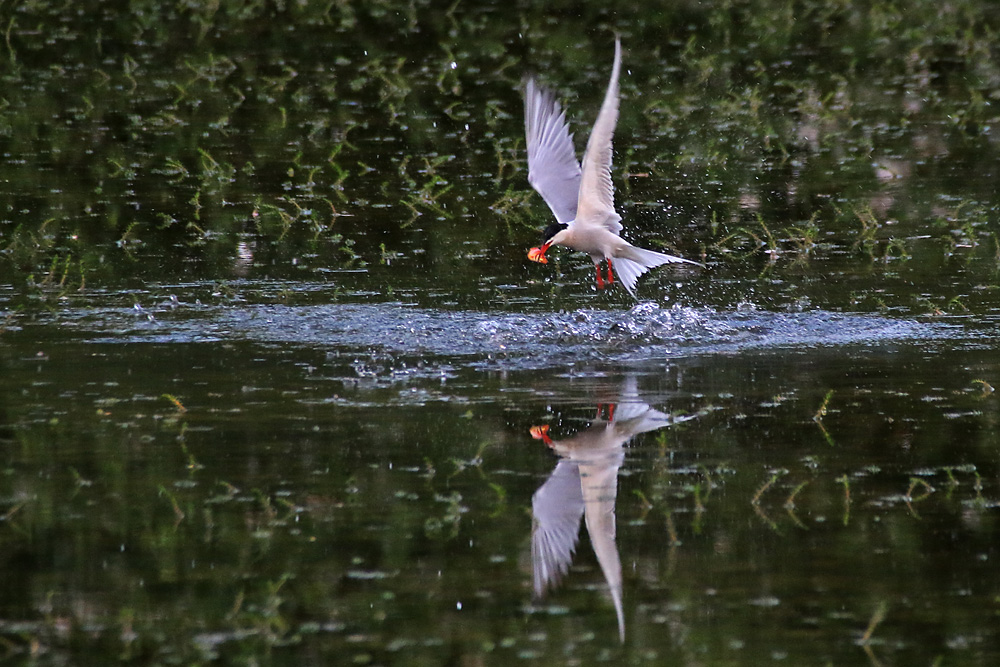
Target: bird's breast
[(594, 241)]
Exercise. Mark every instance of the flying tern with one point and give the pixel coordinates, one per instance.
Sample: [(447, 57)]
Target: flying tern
[(582, 197)]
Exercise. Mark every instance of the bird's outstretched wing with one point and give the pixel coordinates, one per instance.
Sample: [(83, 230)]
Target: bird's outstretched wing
[(552, 167), (597, 194)]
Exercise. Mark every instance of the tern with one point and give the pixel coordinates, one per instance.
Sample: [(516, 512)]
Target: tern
[(582, 198)]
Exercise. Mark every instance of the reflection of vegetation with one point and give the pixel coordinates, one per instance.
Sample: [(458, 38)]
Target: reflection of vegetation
[(168, 526), (197, 568)]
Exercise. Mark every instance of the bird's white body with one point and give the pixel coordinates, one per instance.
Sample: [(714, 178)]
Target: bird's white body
[(582, 196)]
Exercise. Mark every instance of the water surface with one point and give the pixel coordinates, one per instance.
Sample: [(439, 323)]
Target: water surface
[(278, 384)]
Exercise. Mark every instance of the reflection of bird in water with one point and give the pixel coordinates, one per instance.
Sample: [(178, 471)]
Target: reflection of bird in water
[(585, 482)]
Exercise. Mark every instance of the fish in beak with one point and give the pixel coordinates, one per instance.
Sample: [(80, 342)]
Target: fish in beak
[(538, 254)]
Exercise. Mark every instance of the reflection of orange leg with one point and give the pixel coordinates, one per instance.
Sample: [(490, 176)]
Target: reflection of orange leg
[(606, 409), (600, 279), (611, 275), (541, 433)]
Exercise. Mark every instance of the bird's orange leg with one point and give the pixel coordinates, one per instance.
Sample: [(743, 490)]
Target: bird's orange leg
[(611, 275), (600, 279)]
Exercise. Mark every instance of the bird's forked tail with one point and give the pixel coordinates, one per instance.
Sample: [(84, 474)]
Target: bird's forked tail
[(640, 260)]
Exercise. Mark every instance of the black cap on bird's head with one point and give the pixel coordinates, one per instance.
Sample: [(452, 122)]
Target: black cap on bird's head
[(552, 230)]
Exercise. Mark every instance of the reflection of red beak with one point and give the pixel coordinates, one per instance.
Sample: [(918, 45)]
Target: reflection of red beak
[(538, 254), (541, 433)]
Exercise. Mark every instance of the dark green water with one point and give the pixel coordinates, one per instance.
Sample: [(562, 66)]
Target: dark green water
[(275, 371)]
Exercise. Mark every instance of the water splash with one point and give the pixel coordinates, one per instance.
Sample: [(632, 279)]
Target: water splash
[(412, 336)]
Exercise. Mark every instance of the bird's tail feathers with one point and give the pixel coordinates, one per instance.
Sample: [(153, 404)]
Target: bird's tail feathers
[(639, 261)]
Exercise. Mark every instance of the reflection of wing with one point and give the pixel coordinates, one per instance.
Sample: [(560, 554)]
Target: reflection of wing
[(557, 507), (599, 482), (552, 167)]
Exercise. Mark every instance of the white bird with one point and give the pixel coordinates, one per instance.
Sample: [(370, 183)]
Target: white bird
[(582, 200)]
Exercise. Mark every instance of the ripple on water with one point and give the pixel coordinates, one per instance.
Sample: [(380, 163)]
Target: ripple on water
[(539, 340)]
